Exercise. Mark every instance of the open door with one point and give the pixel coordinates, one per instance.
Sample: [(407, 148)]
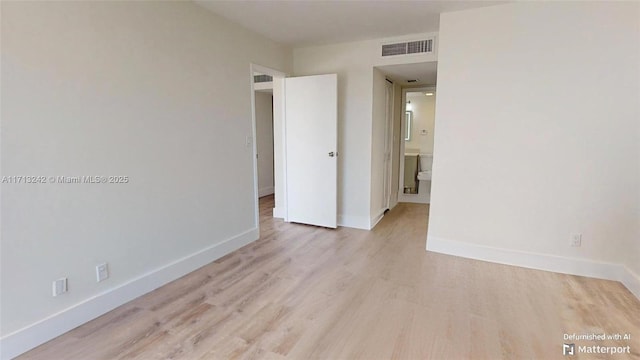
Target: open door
[(311, 119)]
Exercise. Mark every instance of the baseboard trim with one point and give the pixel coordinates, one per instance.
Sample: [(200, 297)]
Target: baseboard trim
[(27, 338), (356, 222), (413, 199), (631, 281), (559, 264), (376, 219), (393, 204), (265, 191), (278, 213)]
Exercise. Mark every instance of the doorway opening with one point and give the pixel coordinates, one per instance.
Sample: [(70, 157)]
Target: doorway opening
[(416, 149), (267, 99), (412, 130), (304, 151), (263, 102)]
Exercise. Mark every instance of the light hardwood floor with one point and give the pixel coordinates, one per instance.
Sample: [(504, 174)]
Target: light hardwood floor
[(302, 292)]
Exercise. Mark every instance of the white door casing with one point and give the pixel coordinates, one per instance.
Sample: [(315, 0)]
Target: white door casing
[(388, 144)]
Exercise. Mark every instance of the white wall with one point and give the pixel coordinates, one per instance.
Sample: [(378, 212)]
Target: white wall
[(353, 62), (632, 261), (423, 108), (157, 91), (264, 142), (537, 123), (280, 200)]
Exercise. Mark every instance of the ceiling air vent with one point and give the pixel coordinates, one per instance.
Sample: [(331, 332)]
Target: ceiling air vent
[(422, 46), (394, 49), (406, 48), (262, 78)]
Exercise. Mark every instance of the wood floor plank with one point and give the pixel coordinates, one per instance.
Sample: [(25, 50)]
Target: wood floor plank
[(303, 292)]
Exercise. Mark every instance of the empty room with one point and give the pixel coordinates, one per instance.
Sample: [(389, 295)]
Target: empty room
[(319, 180)]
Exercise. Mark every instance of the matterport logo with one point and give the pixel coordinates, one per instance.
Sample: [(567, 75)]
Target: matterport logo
[(571, 348), (568, 349)]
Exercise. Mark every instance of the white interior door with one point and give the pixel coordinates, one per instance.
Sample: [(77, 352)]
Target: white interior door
[(311, 125)]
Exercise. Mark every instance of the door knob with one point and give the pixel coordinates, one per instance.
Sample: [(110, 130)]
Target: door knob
[(332, 154)]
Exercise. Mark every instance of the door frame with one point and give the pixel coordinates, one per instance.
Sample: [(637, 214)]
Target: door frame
[(402, 197), (388, 171), (279, 151)]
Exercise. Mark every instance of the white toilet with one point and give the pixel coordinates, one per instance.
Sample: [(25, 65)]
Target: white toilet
[(426, 161), (424, 176), (424, 185)]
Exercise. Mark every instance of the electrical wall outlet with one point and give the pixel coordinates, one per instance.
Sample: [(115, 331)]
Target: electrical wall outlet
[(102, 272), (576, 240), (59, 286)]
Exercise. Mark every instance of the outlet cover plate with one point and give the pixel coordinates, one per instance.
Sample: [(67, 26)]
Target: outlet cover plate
[(59, 286), (102, 272), (576, 240)]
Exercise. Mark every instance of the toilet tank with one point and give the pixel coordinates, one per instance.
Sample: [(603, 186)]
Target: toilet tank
[(426, 161)]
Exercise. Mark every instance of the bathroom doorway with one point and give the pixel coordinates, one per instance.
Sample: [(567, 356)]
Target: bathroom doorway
[(414, 85), (416, 145)]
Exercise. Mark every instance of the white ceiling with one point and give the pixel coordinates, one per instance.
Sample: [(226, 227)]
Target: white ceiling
[(308, 22), (418, 95), (424, 72)]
